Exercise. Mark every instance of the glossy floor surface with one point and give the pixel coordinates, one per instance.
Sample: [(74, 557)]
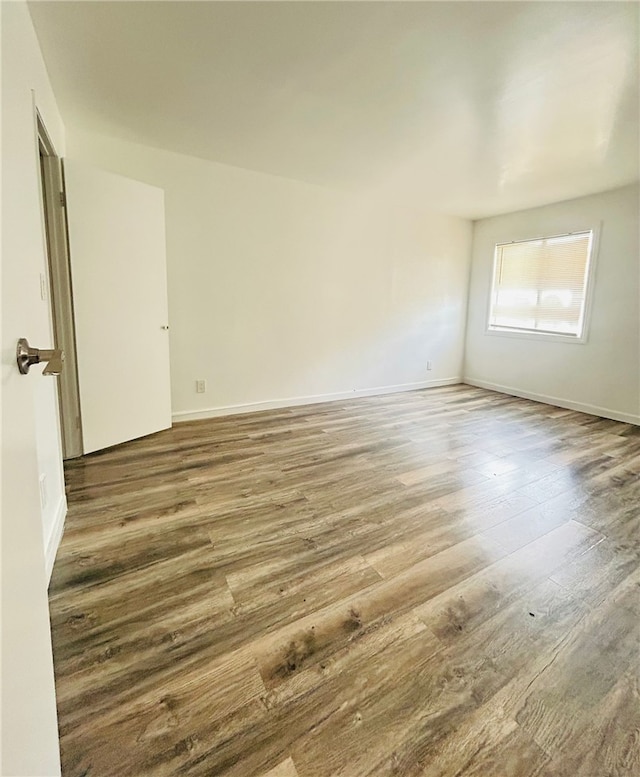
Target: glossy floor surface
[(438, 583)]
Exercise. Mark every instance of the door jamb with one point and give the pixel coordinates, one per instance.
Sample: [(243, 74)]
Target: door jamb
[(60, 292)]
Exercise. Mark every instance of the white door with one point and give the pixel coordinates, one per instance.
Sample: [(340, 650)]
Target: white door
[(29, 732), (118, 270), (29, 728)]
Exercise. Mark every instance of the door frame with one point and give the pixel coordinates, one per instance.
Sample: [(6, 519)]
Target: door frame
[(60, 291)]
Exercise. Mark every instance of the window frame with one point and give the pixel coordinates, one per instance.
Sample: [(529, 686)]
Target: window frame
[(550, 337)]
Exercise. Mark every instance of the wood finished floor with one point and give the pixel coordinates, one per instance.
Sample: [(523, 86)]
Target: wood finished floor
[(438, 583)]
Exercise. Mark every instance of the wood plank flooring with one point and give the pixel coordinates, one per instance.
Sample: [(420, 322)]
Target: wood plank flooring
[(439, 583)]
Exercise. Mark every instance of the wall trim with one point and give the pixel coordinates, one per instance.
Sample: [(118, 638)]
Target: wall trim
[(55, 536), (603, 412), (313, 399)]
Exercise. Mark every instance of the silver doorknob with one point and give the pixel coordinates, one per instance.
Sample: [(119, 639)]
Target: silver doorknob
[(27, 356)]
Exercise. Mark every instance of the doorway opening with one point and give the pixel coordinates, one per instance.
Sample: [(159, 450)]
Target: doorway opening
[(60, 292)]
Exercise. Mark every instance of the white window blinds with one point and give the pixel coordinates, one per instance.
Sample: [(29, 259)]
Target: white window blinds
[(540, 285)]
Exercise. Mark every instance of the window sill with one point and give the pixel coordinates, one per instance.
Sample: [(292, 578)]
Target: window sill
[(539, 336)]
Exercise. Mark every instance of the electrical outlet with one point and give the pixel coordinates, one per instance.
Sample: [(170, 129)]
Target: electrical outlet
[(429, 365), (201, 386)]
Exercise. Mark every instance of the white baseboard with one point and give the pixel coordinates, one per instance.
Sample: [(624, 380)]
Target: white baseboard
[(274, 404), (56, 535), (603, 412)]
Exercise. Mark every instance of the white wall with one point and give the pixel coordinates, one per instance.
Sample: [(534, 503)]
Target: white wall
[(601, 376), (280, 291), (30, 435)]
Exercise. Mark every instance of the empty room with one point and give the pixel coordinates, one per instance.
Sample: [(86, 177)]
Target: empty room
[(320, 389)]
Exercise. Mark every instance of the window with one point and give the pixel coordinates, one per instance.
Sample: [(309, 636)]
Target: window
[(540, 286)]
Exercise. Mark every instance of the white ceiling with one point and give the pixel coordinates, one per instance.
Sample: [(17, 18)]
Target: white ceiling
[(473, 108)]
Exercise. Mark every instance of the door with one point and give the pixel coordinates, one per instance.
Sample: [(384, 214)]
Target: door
[(29, 743), (118, 271), (28, 730)]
